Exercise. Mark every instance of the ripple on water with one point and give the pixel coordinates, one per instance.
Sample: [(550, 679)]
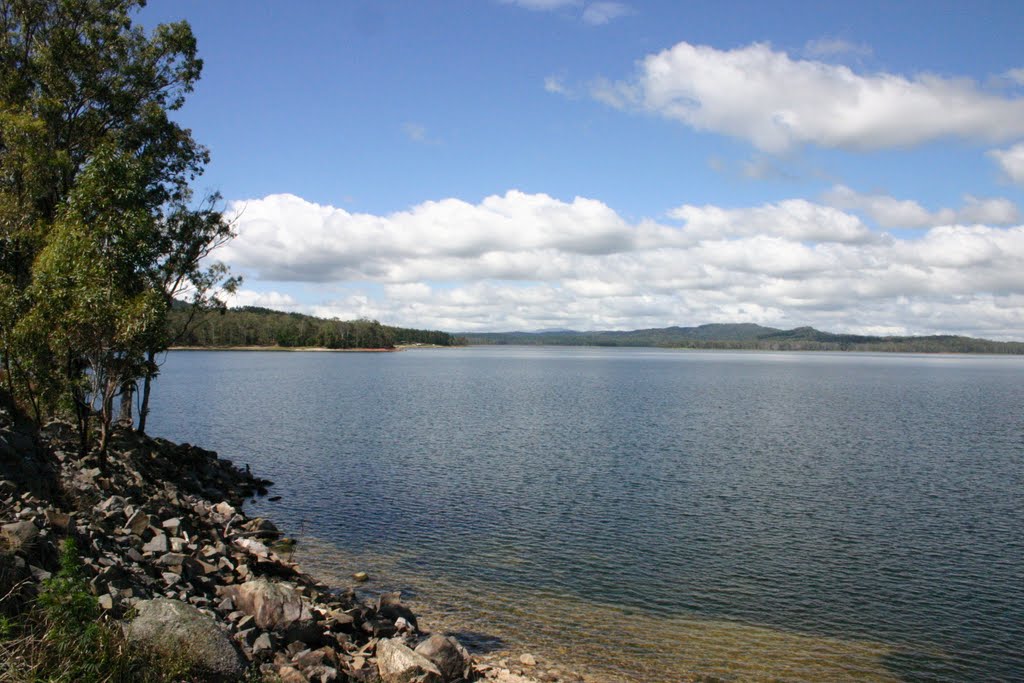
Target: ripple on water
[(609, 641), (739, 515)]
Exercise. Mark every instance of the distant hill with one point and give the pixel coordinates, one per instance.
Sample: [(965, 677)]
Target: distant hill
[(750, 336), (255, 326)]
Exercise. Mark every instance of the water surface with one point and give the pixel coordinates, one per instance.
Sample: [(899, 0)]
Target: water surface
[(652, 514)]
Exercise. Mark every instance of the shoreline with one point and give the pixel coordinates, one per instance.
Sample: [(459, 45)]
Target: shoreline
[(164, 545), (315, 349)]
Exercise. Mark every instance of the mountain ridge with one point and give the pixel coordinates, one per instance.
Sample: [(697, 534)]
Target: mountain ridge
[(749, 336)]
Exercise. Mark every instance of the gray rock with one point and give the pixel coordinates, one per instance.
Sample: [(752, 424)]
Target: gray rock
[(20, 534), (396, 663), (176, 629), (447, 654), (262, 644), (171, 560), (321, 674), (289, 674), (157, 545), (138, 523), (273, 605)]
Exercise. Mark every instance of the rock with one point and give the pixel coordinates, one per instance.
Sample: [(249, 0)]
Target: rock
[(224, 509), (361, 577), (389, 606), (321, 674), (262, 644), (527, 659), (253, 546), (309, 658), (173, 526), (396, 663), (273, 605), (158, 544), (57, 519), (138, 523), (178, 630), (106, 601), (447, 654), (170, 560), (38, 573), (20, 534), (289, 674), (262, 528)]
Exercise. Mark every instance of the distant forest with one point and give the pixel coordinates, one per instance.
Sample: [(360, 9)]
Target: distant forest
[(750, 336), (254, 326)]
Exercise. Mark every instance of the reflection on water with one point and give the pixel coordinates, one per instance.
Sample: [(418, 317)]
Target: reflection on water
[(739, 515)]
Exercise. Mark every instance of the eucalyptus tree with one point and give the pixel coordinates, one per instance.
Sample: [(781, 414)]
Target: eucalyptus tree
[(97, 229)]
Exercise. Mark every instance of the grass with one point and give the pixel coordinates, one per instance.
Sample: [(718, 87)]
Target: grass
[(64, 638)]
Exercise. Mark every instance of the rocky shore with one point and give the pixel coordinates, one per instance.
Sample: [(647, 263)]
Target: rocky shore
[(174, 562)]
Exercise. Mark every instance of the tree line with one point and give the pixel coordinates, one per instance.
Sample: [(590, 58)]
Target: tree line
[(99, 229), (752, 337), (255, 326)]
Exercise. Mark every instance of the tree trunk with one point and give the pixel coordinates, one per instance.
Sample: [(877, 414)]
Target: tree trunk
[(106, 419), (82, 417), (124, 412), (146, 386)]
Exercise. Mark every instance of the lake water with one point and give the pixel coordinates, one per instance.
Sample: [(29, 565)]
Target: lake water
[(650, 515)]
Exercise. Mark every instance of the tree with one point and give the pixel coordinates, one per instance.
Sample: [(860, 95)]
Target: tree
[(97, 232)]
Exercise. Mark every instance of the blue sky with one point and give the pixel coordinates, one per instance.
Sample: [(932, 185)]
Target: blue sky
[(495, 165)]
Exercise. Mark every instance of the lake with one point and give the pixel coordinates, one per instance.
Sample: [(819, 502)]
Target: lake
[(647, 514)]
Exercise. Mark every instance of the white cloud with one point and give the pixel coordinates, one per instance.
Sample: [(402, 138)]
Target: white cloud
[(554, 84), (1016, 75), (889, 212), (599, 13), (793, 219), (271, 299), (543, 5), (531, 261), (415, 131), (1011, 161), (776, 102), (833, 47)]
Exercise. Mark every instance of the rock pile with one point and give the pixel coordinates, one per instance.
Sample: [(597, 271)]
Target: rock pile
[(169, 553)]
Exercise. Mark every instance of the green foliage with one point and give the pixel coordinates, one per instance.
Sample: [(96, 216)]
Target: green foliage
[(254, 326), (65, 638), (98, 232), (749, 336)]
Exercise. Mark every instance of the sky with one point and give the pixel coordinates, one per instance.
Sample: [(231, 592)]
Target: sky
[(495, 165)]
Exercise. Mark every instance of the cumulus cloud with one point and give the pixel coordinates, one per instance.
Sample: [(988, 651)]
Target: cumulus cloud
[(1016, 75), (777, 102), (1011, 161), (271, 299), (794, 219), (599, 13), (890, 212), (531, 261)]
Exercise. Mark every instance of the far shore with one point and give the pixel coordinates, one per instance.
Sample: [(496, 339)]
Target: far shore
[(283, 348)]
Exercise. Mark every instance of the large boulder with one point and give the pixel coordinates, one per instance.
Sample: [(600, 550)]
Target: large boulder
[(274, 606), (396, 663), (179, 630), (448, 655)]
